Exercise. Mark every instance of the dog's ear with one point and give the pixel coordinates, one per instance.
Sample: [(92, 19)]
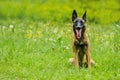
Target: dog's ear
[(74, 15), (84, 16)]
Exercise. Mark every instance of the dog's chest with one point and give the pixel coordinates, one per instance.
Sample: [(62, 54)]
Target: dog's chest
[(81, 47)]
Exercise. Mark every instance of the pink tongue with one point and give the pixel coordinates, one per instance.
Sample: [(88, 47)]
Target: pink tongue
[(78, 33)]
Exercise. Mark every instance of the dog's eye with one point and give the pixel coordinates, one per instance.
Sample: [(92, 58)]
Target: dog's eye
[(81, 22), (76, 21)]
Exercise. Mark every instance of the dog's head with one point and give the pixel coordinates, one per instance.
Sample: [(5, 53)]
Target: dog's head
[(79, 24)]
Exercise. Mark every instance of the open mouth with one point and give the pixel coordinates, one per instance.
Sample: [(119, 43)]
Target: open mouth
[(78, 33)]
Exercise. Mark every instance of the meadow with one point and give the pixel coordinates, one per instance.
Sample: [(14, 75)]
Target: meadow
[(36, 39)]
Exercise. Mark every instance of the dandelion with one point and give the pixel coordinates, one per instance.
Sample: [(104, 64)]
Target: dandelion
[(29, 34), (117, 25), (67, 48), (55, 30), (50, 39), (11, 26), (34, 40), (29, 31), (38, 34), (69, 30), (3, 27)]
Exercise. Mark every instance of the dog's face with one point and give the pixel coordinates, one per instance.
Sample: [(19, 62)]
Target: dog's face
[(78, 24)]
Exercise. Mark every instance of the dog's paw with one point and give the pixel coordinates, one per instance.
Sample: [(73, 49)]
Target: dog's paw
[(93, 64), (71, 61)]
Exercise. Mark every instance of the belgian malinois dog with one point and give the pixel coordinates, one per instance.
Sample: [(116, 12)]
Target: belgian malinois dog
[(81, 43)]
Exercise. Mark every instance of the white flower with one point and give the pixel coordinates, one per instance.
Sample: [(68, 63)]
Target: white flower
[(11, 26), (66, 47), (3, 27), (34, 40), (55, 30)]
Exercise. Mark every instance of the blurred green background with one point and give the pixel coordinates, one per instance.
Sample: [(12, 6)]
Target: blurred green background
[(98, 11)]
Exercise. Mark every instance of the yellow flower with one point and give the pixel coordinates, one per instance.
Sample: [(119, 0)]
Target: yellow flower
[(29, 33), (38, 34)]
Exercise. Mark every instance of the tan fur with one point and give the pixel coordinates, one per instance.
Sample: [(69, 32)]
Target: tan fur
[(83, 57), (80, 42)]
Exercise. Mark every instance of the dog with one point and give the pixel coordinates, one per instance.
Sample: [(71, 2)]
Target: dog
[(80, 43)]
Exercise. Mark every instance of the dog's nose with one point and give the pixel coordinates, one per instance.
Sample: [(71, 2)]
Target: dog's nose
[(78, 28)]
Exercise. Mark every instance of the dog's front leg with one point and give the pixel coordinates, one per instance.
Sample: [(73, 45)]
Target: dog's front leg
[(88, 57), (75, 55), (76, 59)]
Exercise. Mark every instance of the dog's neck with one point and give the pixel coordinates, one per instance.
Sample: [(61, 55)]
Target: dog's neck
[(81, 41)]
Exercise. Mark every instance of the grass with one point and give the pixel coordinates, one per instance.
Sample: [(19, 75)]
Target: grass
[(46, 56), (32, 49)]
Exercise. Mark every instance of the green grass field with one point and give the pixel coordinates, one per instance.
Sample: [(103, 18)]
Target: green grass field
[(36, 39)]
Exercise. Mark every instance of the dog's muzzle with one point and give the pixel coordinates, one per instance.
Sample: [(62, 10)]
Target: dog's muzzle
[(78, 32), (78, 28)]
